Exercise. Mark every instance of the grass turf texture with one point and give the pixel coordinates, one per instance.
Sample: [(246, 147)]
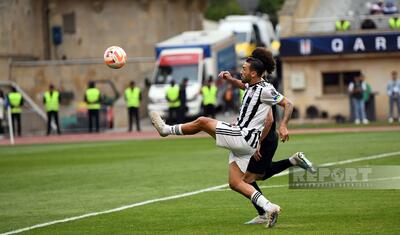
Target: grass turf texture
[(42, 183)]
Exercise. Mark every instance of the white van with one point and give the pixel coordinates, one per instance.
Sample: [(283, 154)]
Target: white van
[(195, 55), (250, 31)]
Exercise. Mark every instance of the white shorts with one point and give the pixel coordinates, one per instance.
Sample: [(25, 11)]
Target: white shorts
[(230, 137)]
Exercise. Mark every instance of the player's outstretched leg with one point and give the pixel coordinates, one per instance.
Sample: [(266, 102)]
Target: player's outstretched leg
[(200, 124), (299, 159)]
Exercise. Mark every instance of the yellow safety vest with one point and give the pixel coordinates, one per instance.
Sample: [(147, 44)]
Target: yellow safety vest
[(209, 95), (51, 101), (93, 98), (173, 94), (132, 96), (394, 23), (342, 26), (15, 99), (241, 95)]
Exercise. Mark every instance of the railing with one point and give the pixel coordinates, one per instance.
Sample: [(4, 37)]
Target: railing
[(327, 24), (76, 61)]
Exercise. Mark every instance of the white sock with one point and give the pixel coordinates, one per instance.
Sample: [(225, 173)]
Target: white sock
[(291, 160), (261, 201), (174, 130)]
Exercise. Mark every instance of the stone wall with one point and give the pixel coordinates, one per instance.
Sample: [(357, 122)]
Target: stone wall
[(135, 25)]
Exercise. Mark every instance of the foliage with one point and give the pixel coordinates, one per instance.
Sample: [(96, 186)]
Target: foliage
[(218, 9)]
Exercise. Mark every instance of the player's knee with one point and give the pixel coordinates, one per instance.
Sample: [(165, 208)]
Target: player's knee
[(248, 179), (202, 121)]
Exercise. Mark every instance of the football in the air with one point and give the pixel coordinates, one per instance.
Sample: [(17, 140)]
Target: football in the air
[(115, 57)]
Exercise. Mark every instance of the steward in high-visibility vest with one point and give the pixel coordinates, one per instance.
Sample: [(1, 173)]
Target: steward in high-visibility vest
[(92, 99), (173, 96), (51, 100), (209, 93), (394, 23), (133, 97), (16, 101), (342, 25), (241, 95), (173, 101)]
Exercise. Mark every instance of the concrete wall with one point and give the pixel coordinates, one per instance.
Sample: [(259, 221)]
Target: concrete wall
[(21, 28), (377, 72), (295, 9), (135, 25)]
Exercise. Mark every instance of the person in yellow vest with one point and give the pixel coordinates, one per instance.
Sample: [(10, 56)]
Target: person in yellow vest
[(342, 25), (133, 96), (241, 95), (16, 101), (209, 93), (92, 99), (51, 101), (394, 23), (174, 103)]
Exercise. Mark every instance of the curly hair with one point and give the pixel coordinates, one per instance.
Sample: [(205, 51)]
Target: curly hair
[(266, 58)]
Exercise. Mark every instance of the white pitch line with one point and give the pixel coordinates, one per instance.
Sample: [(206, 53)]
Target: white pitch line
[(383, 155), (287, 185)]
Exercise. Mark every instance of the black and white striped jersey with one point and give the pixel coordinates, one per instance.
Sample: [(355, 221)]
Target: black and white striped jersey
[(256, 103)]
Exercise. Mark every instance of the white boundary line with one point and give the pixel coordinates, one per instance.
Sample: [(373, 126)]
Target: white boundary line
[(287, 185), (383, 155)]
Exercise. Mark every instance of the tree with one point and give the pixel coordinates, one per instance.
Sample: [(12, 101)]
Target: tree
[(271, 7), (218, 9)]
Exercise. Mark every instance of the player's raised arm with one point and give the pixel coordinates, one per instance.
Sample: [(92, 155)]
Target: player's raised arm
[(287, 113), (228, 77)]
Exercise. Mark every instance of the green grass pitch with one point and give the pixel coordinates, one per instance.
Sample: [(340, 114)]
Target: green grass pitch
[(43, 183)]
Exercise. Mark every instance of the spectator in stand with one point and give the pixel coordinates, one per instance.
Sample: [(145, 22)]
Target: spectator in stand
[(376, 8), (394, 23), (342, 25), (390, 8), (368, 24)]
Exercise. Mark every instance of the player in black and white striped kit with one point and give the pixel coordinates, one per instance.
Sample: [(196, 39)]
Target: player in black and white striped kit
[(261, 166), (243, 137)]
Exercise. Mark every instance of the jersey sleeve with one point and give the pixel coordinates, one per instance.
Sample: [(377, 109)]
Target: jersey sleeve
[(271, 96)]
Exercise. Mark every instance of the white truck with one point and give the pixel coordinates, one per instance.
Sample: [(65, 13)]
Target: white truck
[(250, 31), (195, 55)]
